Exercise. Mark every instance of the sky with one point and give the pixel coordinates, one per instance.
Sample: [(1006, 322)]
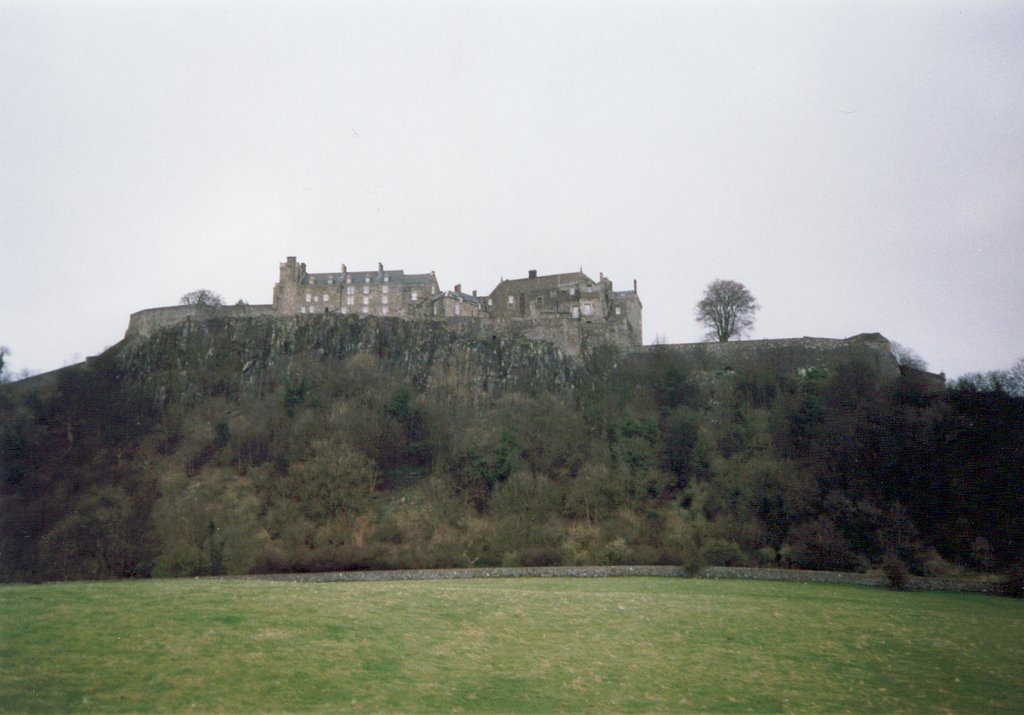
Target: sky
[(859, 166)]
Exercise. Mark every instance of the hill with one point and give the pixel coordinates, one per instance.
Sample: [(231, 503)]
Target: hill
[(241, 444)]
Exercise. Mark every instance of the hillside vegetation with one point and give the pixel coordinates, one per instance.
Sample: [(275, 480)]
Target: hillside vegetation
[(260, 445)]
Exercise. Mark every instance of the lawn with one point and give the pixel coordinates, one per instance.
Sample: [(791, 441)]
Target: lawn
[(505, 645)]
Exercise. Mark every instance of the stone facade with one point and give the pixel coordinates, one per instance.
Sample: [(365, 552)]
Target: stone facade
[(382, 293), (571, 310)]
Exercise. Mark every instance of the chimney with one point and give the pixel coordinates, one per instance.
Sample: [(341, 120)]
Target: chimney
[(533, 273), (380, 268), (634, 285), (458, 287), (474, 294), (344, 268)]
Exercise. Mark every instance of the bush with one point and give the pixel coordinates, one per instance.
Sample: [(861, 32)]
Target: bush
[(895, 570), (1013, 586), (721, 552)]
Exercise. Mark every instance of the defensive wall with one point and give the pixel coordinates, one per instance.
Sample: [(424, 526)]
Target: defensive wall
[(576, 337), (145, 323), (791, 355)]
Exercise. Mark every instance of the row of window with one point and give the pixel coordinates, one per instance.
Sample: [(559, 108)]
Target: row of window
[(348, 279), (344, 309), (310, 298)]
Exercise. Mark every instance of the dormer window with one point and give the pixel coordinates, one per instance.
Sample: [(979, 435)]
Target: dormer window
[(387, 279), (366, 279), (415, 295)]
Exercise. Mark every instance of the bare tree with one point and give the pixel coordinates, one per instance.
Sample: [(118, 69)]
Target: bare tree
[(727, 309), (201, 297), (3, 353), (907, 357), (1016, 378)]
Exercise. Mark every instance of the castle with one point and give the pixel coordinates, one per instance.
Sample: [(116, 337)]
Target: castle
[(570, 310)]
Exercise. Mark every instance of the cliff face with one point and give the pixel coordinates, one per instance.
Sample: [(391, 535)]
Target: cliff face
[(248, 355)]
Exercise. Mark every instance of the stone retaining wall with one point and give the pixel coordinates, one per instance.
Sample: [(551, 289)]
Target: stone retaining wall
[(914, 583)]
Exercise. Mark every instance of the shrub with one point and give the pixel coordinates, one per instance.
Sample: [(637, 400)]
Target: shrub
[(721, 552), (895, 570)]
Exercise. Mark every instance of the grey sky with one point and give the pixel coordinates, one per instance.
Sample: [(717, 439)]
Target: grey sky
[(859, 166)]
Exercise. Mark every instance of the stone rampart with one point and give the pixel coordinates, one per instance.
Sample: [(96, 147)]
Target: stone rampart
[(792, 354), (146, 322)]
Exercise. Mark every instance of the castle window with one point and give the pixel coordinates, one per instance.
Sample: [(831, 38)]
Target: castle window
[(572, 291), (415, 295), (587, 309), (511, 300), (344, 310), (618, 310), (350, 290), (458, 309), (384, 310), (490, 301), (365, 310), (330, 281), (384, 300), (366, 300), (385, 288), (316, 299), (302, 309), (326, 297), (351, 300), (348, 279), (309, 297), (366, 279), (387, 279), (366, 290)]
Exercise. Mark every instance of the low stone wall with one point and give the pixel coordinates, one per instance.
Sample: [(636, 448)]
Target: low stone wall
[(788, 355), (914, 583), (146, 322)]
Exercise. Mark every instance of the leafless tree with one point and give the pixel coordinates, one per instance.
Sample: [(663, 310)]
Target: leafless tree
[(727, 310), (907, 357), (201, 297)]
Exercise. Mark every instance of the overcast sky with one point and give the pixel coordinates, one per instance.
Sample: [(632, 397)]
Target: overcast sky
[(859, 166)]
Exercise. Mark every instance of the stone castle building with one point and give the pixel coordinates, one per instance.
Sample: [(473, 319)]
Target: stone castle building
[(549, 307), (570, 310)]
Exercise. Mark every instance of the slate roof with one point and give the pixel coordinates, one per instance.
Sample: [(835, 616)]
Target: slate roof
[(359, 277), (554, 281), (457, 295)]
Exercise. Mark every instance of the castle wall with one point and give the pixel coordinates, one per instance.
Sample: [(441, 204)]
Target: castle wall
[(793, 354), (146, 322)]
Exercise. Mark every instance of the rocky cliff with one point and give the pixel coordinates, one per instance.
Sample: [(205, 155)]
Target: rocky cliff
[(248, 355)]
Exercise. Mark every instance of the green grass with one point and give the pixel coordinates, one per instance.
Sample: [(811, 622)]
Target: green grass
[(525, 645)]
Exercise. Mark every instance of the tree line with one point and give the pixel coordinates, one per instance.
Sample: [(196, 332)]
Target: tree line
[(648, 458)]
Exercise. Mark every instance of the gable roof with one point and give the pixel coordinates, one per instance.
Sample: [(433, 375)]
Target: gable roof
[(553, 281)]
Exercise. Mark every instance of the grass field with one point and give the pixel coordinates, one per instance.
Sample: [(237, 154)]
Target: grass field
[(523, 645)]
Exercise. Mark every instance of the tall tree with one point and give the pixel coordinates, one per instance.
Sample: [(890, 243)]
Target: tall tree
[(727, 310)]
